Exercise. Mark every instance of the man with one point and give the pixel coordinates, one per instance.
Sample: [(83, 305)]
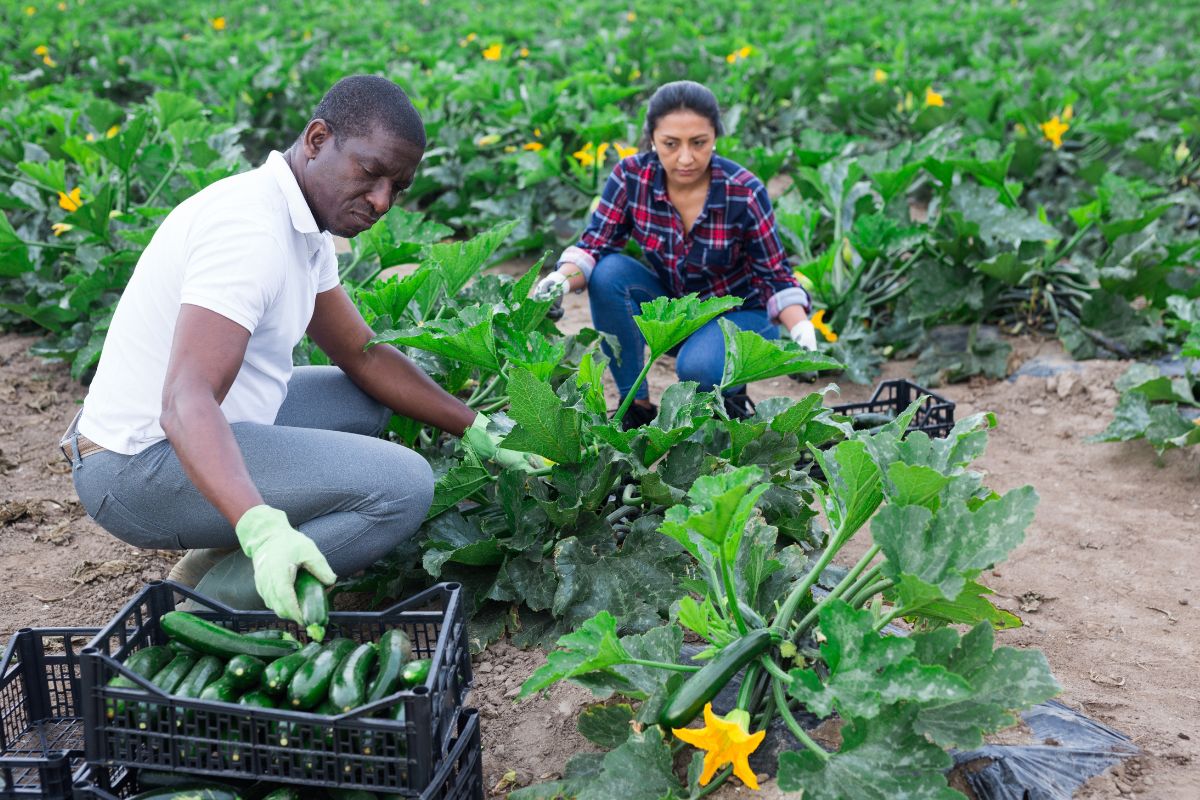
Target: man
[(198, 434)]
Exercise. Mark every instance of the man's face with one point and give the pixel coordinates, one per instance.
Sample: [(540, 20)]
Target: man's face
[(352, 182)]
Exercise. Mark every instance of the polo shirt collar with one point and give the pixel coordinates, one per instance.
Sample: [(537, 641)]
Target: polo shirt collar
[(302, 217)]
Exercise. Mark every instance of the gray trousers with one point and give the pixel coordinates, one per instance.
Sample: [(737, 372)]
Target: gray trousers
[(357, 496)]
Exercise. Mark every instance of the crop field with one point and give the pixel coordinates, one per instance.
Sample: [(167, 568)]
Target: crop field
[(995, 200)]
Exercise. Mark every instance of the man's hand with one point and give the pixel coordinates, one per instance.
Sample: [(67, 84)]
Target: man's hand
[(278, 551), (804, 334), (487, 446)]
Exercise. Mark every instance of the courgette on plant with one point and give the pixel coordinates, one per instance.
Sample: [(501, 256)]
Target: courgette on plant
[(901, 700)]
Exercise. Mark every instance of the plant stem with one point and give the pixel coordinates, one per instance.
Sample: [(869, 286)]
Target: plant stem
[(716, 783), (633, 392), (48, 245), (893, 614), (869, 592), (163, 182), (788, 610), (664, 665), (793, 725), (731, 593), (847, 583), (746, 690), (774, 669)]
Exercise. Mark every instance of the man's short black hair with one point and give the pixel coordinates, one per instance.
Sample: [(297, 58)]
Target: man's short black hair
[(358, 103)]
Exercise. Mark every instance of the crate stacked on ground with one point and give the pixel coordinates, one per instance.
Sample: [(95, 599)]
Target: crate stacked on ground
[(394, 744), (41, 721), (459, 776)]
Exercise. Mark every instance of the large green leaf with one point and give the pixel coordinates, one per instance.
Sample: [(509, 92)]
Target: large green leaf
[(453, 537), (947, 548), (880, 759), (868, 671), (1002, 680), (460, 482), (666, 322), (388, 300), (606, 725), (996, 222), (854, 485), (14, 256), (721, 506), (640, 769), (468, 338), (544, 425), (593, 648), (749, 357), (459, 262)]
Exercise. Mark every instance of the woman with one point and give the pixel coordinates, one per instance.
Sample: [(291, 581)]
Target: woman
[(705, 225)]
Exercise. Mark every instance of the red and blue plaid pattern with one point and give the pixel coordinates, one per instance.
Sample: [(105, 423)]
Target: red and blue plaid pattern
[(732, 249)]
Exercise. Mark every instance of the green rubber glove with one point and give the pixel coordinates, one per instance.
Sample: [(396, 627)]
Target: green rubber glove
[(278, 551), (487, 446)]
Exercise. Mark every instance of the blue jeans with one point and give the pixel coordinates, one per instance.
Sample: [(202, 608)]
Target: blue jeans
[(355, 495), (618, 287)]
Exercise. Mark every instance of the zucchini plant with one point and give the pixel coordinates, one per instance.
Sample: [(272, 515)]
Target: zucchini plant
[(763, 612)]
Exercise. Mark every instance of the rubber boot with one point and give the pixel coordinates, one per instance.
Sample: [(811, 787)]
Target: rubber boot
[(231, 582), (195, 564)]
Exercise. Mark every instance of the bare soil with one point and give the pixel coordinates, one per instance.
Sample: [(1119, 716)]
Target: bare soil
[(1102, 581)]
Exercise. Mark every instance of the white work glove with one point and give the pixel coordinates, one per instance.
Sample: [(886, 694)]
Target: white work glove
[(804, 334), (554, 285)]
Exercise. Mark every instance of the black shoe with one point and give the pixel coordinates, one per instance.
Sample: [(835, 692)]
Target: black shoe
[(638, 415), (739, 406)]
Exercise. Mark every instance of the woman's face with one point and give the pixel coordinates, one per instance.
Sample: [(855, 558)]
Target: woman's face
[(684, 142)]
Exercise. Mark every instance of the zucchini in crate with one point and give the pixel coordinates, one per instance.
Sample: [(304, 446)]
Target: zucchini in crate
[(192, 791), (208, 637), (244, 671), (348, 688), (167, 679), (145, 663), (311, 681), (394, 652), (279, 673)]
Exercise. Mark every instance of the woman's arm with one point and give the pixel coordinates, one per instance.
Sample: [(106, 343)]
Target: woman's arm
[(607, 232)]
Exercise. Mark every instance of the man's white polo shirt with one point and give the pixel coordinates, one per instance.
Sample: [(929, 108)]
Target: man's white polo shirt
[(246, 247)]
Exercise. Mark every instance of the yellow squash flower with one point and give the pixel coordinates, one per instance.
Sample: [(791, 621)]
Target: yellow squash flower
[(471, 37), (631, 16), (60, 228), (71, 201), (91, 137), (1182, 152), (880, 76), (524, 52), (600, 151), (493, 52), (1020, 130), (1053, 129), (732, 57), (932, 98), (586, 156), (487, 141), (624, 152), (218, 23), (908, 101), (818, 322), (534, 146), (49, 62), (113, 131), (1068, 112), (30, 11), (41, 50), (537, 132), (724, 741), (745, 52), (62, 6)]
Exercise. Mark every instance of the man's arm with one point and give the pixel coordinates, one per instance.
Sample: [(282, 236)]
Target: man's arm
[(206, 354), (382, 371)]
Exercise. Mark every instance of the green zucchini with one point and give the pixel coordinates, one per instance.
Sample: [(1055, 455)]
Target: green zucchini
[(394, 652), (206, 670), (144, 663), (257, 698), (222, 690), (167, 679), (311, 681), (180, 647), (194, 791), (244, 671), (269, 633), (278, 674), (415, 673), (314, 605), (348, 689), (208, 637), (701, 687)]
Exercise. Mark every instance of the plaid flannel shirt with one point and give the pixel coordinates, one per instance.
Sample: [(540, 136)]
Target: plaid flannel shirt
[(732, 249)]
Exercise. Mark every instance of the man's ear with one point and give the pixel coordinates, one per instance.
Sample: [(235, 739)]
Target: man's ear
[(317, 134)]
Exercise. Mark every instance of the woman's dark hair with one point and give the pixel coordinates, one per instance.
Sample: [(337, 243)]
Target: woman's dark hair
[(681, 96)]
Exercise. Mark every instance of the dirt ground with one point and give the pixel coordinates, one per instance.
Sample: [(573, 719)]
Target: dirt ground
[(1102, 581)]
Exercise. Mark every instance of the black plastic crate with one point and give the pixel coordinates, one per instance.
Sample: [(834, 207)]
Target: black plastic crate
[(354, 750), (935, 416), (459, 776), (41, 721)]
